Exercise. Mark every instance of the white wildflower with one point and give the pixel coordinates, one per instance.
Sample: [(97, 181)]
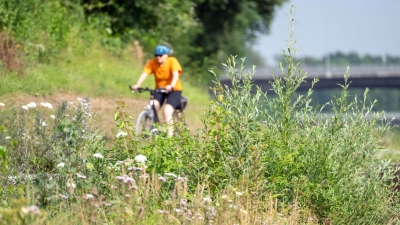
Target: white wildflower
[(24, 107), (125, 179), (31, 209), (80, 176), (12, 179), (121, 134), (170, 175), (2, 104), (178, 211), (44, 124), (73, 185), (62, 196), (162, 211), (89, 196), (31, 105), (144, 176), (47, 105), (183, 202), (98, 155), (232, 206), (181, 179), (141, 159), (239, 193), (7, 137), (207, 199), (60, 165), (52, 116), (163, 179)]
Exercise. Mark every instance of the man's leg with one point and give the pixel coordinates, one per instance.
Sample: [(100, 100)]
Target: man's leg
[(168, 112), (156, 105), (173, 101), (158, 101)]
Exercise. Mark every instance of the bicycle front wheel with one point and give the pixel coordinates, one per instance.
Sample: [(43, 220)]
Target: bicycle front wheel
[(144, 124)]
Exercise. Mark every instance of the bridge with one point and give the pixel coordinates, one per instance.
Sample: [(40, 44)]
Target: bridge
[(329, 78), (360, 77)]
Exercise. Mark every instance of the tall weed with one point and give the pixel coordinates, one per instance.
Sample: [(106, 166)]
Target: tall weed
[(283, 145), (60, 172)]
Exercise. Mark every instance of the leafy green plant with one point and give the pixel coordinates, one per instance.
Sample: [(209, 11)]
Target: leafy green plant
[(41, 28), (3, 158), (327, 163)]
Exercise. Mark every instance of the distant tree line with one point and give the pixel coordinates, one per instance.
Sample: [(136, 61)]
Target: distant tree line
[(352, 58)]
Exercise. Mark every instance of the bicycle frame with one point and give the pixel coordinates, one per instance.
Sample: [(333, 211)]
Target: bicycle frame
[(151, 110), (149, 114)]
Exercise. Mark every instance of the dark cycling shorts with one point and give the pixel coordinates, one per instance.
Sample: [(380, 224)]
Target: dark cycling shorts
[(173, 98)]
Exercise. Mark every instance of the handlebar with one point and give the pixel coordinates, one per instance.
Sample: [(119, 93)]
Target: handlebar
[(140, 90)]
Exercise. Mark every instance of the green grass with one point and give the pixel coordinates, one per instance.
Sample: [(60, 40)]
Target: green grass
[(94, 71), (97, 73)]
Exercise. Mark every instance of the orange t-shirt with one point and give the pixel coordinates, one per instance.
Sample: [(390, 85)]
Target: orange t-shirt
[(163, 73)]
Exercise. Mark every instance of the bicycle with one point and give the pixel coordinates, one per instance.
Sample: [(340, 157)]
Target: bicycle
[(145, 123)]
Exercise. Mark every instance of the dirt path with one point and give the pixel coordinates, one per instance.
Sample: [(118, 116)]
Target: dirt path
[(103, 108)]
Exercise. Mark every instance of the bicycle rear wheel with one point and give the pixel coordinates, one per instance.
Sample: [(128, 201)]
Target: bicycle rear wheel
[(144, 124)]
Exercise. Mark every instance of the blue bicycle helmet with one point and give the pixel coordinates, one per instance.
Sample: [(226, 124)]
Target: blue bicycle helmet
[(161, 50)]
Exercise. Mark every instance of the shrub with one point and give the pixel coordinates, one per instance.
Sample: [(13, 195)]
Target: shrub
[(280, 144), (42, 29)]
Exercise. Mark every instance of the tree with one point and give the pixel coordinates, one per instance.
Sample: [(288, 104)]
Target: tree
[(205, 32), (229, 25)]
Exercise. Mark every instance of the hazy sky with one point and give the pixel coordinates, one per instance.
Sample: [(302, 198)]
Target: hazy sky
[(327, 26)]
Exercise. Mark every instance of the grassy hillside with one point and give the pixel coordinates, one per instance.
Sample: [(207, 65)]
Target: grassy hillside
[(98, 73)]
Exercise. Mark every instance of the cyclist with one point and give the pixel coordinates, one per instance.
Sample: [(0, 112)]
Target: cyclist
[(166, 70)]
